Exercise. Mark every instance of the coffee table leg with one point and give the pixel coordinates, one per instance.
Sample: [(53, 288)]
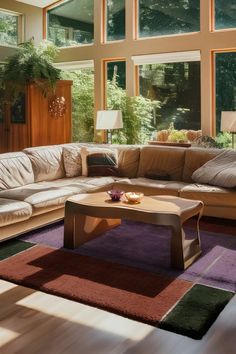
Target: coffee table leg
[(80, 228), (184, 252)]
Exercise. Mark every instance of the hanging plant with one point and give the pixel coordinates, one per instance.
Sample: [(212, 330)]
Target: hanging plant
[(30, 65)]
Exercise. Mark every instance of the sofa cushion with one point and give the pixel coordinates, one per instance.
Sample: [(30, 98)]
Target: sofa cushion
[(150, 187), (47, 162), (15, 170), (102, 164), (220, 171), (50, 195), (210, 195), (87, 151), (128, 161), (158, 158), (195, 158), (72, 161), (12, 211)]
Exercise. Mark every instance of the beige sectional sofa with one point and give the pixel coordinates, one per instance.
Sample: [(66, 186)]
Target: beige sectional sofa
[(34, 188)]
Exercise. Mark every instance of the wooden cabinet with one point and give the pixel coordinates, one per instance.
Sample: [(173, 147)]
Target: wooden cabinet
[(37, 120)]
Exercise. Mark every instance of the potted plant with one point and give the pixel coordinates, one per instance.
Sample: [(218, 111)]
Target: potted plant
[(29, 65)]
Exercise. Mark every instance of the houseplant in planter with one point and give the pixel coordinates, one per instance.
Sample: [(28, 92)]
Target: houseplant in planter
[(30, 65), (37, 104)]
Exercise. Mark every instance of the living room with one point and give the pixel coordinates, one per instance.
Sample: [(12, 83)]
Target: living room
[(162, 74)]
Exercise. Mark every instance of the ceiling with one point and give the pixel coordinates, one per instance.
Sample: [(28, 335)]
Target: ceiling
[(38, 3)]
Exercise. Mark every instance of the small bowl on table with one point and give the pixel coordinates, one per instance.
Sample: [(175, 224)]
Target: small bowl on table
[(115, 194), (134, 197)]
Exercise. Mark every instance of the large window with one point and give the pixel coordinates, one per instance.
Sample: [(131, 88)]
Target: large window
[(8, 29), (115, 19), (166, 17), (71, 23), (175, 87), (82, 103), (225, 84), (225, 14)]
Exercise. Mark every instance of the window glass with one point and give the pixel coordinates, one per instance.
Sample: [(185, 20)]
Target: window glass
[(82, 104), (71, 23), (225, 84), (116, 73), (166, 17), (8, 29), (115, 20), (225, 14), (175, 87)]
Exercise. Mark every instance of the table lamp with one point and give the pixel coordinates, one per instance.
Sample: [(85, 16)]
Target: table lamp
[(228, 123), (109, 120)]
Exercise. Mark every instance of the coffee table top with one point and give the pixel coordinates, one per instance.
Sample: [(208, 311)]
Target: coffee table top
[(171, 205)]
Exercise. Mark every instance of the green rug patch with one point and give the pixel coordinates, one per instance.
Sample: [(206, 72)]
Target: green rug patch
[(9, 248), (196, 311)]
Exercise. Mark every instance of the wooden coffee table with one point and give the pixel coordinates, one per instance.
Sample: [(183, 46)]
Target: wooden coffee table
[(89, 215)]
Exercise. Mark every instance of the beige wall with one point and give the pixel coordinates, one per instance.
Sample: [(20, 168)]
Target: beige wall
[(33, 20), (205, 41)]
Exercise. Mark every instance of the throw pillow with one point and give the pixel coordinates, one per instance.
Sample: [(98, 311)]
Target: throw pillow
[(72, 161), (220, 171), (99, 162)]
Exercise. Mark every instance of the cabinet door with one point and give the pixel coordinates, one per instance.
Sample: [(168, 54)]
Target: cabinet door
[(50, 117), (4, 128), (18, 125)]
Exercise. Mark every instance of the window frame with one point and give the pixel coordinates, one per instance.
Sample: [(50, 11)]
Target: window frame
[(213, 20), (104, 75), (137, 36), (20, 27), (213, 88), (45, 25)]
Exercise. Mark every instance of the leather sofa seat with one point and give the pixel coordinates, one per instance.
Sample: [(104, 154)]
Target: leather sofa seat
[(48, 195), (210, 195), (12, 211), (151, 187)]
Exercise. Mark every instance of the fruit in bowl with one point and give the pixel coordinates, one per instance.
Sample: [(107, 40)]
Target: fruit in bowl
[(115, 194), (134, 197)]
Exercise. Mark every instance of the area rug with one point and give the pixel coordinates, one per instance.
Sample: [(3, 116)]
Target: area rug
[(147, 247), (131, 292), (127, 271)]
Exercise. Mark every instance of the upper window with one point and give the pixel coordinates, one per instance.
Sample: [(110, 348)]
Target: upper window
[(8, 29), (166, 17), (172, 80), (115, 19), (225, 64), (71, 23), (225, 14)]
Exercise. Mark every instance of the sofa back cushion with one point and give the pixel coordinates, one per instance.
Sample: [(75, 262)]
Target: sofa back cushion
[(128, 161), (162, 160), (47, 162), (15, 170), (195, 158)]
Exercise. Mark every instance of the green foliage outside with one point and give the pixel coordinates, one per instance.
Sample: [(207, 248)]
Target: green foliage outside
[(137, 111), (224, 140), (137, 115), (82, 104), (8, 29)]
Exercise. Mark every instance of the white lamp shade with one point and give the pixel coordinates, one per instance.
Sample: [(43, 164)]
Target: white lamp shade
[(109, 120), (228, 121)]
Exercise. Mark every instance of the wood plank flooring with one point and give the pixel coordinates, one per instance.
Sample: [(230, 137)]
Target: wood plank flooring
[(38, 323)]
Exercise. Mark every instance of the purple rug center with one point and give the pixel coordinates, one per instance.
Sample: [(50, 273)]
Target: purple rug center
[(148, 247)]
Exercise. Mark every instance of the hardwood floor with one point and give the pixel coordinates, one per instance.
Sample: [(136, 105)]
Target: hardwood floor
[(38, 323)]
